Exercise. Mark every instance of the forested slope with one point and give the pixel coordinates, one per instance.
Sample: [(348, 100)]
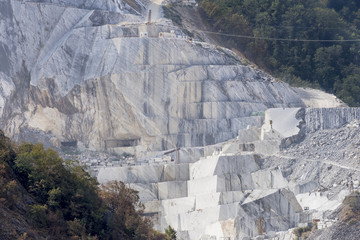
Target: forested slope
[(44, 197), (303, 42)]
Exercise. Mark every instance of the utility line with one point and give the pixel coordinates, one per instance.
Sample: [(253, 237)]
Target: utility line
[(280, 39), (290, 26), (297, 27)]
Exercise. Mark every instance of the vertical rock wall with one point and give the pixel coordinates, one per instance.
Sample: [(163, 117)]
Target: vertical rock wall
[(329, 118)]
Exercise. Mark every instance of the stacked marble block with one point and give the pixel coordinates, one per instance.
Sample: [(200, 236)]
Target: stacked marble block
[(225, 193), (217, 196), (229, 192)]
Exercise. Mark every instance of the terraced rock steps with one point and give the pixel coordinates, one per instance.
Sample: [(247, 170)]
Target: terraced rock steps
[(232, 191)]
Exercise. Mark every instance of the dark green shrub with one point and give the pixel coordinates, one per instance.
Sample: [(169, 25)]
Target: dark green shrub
[(38, 214)]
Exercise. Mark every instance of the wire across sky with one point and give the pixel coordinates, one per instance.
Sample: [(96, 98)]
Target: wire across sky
[(280, 39)]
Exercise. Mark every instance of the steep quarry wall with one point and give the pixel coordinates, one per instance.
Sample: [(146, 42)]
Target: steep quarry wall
[(136, 7), (329, 118), (84, 74)]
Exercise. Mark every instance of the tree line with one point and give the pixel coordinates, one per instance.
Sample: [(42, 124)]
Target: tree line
[(64, 202), (281, 30)]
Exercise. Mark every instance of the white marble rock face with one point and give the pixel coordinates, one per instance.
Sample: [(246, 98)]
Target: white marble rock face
[(241, 193), (84, 74), (218, 196)]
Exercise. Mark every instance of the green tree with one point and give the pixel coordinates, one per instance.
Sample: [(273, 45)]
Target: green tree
[(66, 201), (328, 62), (38, 214), (125, 209), (63, 187), (170, 233), (312, 60)]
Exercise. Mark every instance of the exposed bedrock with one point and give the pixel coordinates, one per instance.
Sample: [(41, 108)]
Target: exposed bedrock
[(329, 118), (221, 195), (102, 83), (268, 179)]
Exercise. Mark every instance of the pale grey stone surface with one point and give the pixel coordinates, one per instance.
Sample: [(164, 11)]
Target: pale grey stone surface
[(107, 5), (83, 73), (223, 195), (329, 118), (229, 191)]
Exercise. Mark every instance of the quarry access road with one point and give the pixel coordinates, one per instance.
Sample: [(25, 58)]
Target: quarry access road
[(316, 160)]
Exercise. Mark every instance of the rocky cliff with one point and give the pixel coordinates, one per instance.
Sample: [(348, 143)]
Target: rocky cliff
[(95, 75)]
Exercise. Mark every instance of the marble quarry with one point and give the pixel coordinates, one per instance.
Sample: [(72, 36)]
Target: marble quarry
[(225, 194), (87, 73), (229, 192), (217, 148)]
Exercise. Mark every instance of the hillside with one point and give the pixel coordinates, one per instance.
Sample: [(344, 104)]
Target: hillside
[(102, 79), (14, 200), (152, 89), (349, 225), (306, 42), (198, 137), (44, 197)]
